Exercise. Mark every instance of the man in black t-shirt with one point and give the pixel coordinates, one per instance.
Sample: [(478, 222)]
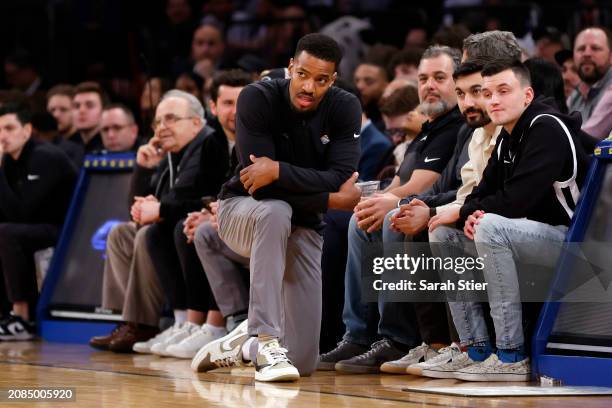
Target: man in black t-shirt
[(298, 148)]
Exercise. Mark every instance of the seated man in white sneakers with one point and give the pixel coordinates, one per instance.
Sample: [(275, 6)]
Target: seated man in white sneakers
[(518, 213), (199, 286), (298, 147)]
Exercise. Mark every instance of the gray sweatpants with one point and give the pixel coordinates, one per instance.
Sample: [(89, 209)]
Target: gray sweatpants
[(285, 274), (223, 270)]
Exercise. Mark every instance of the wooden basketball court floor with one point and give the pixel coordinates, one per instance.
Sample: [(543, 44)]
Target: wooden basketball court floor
[(104, 379)]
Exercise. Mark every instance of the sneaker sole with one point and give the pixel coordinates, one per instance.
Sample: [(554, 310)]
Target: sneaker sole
[(142, 350), (326, 366), (181, 354), (438, 374), (493, 377), (99, 347), (18, 337), (356, 369), (392, 369), (278, 375), (414, 370)]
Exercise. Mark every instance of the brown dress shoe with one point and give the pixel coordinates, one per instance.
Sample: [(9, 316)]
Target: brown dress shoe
[(102, 342), (131, 333)]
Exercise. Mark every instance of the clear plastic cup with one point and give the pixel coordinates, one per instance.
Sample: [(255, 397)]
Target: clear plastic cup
[(368, 188)]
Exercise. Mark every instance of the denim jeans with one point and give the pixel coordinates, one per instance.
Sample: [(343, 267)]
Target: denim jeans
[(396, 319), (501, 243)]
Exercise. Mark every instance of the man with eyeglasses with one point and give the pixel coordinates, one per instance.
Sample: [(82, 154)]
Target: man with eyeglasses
[(174, 170), (118, 129)]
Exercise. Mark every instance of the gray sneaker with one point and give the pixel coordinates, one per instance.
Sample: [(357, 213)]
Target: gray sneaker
[(272, 364), (343, 351), (418, 354), (450, 369), (370, 361), (493, 369), (445, 355)]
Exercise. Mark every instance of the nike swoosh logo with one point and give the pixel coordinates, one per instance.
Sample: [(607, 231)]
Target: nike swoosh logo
[(423, 139), (230, 345), (356, 135), (32, 177), (427, 159), (16, 328), (507, 162)]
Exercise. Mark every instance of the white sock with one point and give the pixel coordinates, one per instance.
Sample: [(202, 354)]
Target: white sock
[(216, 330), (180, 316), (246, 348)]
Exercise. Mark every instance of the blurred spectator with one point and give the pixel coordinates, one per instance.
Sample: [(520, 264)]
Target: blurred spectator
[(88, 102), (118, 129), (44, 127), (451, 36), (371, 80), (190, 82), (284, 34), (22, 73), (396, 84), (592, 58), (247, 31), (252, 64), (207, 44), (152, 92), (404, 64), (381, 55), (546, 80), (548, 41), (569, 72), (59, 104), (36, 183), (416, 37), (347, 31), (402, 120)]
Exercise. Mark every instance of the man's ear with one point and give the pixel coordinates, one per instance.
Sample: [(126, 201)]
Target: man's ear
[(28, 129), (290, 67), (213, 107), (334, 77), (529, 95)]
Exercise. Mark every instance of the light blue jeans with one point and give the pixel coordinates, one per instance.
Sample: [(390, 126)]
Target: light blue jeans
[(501, 243), (397, 321)]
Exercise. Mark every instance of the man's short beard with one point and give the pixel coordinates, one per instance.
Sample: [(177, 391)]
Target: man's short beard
[(595, 76), (434, 108), (484, 120)]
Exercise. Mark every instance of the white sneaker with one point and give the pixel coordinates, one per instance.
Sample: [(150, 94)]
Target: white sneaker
[(185, 331), (493, 369), (198, 339), (415, 355), (450, 369), (445, 355), (144, 347), (223, 352), (272, 363)]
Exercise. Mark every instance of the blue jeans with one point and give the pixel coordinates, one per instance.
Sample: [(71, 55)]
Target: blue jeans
[(396, 319), (500, 242)]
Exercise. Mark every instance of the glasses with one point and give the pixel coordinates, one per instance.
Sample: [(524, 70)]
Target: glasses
[(114, 128), (168, 120)]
